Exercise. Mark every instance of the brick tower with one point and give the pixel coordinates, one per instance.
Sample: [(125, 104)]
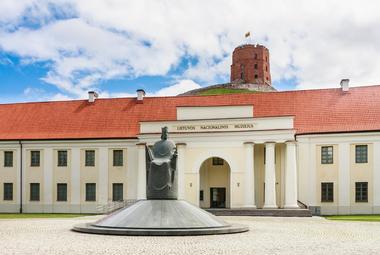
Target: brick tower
[(250, 64)]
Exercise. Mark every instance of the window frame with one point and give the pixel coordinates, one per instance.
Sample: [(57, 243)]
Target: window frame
[(87, 162), (361, 157), (216, 161), (327, 192), (325, 155), (32, 196), (115, 194), (89, 198), (361, 198), (6, 196), (118, 160), (64, 162), (63, 197), (33, 160), (6, 159)]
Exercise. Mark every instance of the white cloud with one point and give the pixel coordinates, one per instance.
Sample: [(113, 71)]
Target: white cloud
[(38, 94), (178, 88), (316, 42)]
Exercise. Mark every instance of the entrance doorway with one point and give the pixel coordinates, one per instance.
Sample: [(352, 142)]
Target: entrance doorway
[(214, 180), (217, 197)]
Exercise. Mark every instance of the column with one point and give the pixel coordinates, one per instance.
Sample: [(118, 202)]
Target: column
[(141, 172), (181, 170), (376, 177), (249, 191), (270, 176), (23, 184), (48, 180), (103, 176), (17, 188), (75, 181), (291, 176), (343, 178)]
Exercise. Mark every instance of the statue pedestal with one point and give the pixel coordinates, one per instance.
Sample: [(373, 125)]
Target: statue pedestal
[(160, 217)]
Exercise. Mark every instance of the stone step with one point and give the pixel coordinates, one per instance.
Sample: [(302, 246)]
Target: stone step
[(261, 212)]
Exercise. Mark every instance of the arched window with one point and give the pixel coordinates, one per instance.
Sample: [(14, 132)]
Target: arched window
[(242, 71)]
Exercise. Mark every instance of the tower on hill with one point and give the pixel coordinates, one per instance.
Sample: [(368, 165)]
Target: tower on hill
[(250, 64), (250, 73)]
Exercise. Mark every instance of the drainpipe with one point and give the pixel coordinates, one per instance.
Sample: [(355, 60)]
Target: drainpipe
[(20, 176)]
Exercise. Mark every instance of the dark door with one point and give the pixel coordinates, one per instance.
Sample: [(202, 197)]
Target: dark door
[(217, 197)]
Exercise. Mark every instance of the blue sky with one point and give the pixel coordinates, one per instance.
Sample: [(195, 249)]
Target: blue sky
[(58, 50), (20, 82)]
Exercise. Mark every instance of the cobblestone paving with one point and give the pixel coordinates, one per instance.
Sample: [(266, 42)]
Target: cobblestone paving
[(266, 236)]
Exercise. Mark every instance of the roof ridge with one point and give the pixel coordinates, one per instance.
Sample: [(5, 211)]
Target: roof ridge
[(194, 96)]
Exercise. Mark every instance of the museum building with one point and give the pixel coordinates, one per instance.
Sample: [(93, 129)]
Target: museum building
[(269, 149)]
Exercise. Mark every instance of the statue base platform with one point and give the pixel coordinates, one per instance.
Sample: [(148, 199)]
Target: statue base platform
[(160, 218)]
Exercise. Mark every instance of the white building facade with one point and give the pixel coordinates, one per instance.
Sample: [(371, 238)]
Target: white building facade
[(227, 158)]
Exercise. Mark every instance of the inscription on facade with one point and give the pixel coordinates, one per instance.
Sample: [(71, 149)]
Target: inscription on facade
[(214, 127)]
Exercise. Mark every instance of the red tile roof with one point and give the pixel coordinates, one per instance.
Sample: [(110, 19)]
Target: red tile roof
[(315, 111)]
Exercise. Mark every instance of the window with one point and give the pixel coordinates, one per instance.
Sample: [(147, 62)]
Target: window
[(8, 191), (62, 158), (217, 161), (201, 195), (327, 192), (255, 55), (34, 192), (327, 155), (255, 66), (8, 158), (118, 158), (242, 72), (61, 192), (361, 192), (117, 192), (90, 158), (361, 154), (256, 76), (90, 191), (266, 68), (35, 158)]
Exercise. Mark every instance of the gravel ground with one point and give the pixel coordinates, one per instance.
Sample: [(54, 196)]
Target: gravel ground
[(266, 236)]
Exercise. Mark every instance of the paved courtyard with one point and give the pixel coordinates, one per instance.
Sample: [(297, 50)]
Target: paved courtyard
[(266, 236)]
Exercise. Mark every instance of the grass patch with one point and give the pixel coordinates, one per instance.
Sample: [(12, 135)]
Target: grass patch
[(222, 91), (372, 217), (40, 215)]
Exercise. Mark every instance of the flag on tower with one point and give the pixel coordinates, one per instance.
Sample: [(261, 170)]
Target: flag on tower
[(248, 34)]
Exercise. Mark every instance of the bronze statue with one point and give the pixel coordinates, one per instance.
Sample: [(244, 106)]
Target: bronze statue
[(161, 213), (161, 166)]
